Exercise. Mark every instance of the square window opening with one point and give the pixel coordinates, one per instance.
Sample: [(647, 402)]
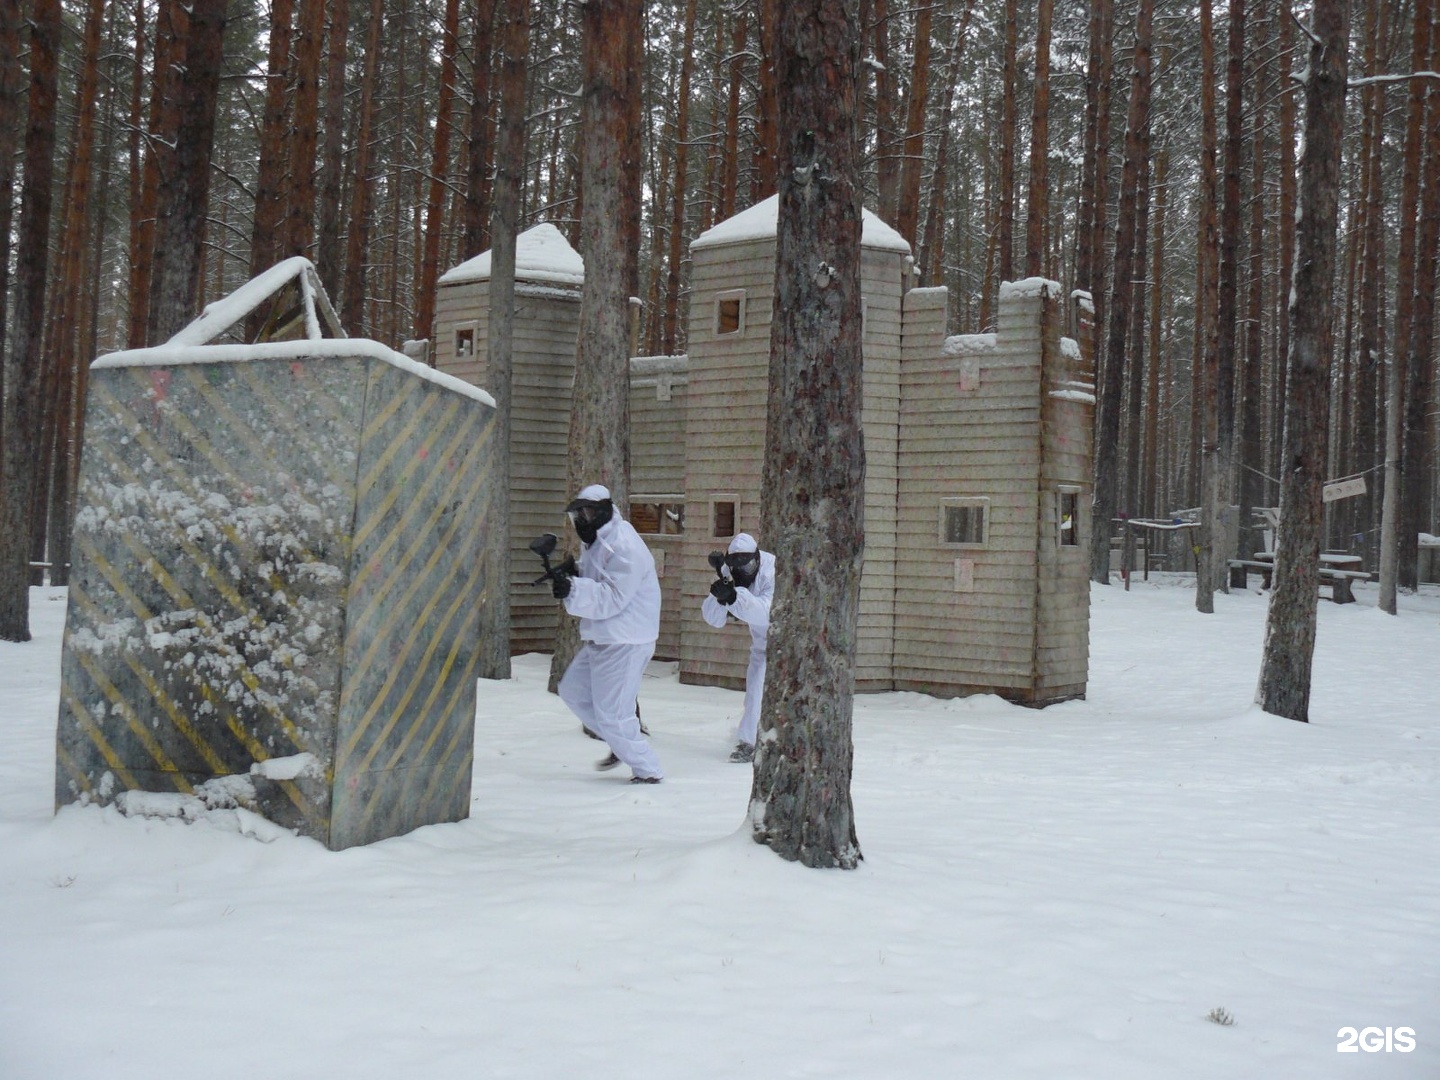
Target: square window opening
[(964, 522), (729, 313), (464, 343), (722, 518)]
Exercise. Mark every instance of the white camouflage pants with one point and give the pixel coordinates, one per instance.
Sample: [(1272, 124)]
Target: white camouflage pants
[(600, 687)]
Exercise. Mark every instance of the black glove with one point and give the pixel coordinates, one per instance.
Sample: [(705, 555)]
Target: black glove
[(560, 585), (723, 591)]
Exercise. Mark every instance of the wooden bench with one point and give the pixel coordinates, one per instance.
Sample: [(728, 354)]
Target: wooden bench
[(1339, 572)]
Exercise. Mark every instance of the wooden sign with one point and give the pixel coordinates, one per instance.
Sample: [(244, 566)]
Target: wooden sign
[(1344, 489)]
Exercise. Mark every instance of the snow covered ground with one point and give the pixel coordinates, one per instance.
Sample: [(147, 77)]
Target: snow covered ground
[(1065, 893)]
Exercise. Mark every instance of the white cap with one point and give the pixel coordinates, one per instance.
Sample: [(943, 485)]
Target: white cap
[(594, 493), (743, 542)]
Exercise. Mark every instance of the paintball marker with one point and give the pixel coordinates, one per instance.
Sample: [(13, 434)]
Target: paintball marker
[(717, 560), (544, 546), (722, 588)]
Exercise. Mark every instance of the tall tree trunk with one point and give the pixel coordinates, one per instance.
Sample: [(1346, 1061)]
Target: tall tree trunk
[(357, 244), (932, 259), (270, 180), (1228, 298), (1289, 97), (1391, 541), (730, 155), (1251, 459), (599, 442), (304, 137), (477, 150), (23, 375), (1037, 206), (1418, 462), (1009, 135), (185, 189), (1090, 222), (66, 309), (439, 169), (1284, 688), (12, 111), (1110, 391), (510, 163), (1150, 468), (332, 162), (768, 105), (907, 211), (811, 514), (669, 330), (887, 164), (1207, 328)]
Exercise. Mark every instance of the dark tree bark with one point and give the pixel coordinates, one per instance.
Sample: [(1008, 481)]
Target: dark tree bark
[(138, 250), (1090, 223), (23, 375), (332, 161), (304, 136), (1037, 203), (907, 212), (671, 316), (185, 174), (1228, 297), (1392, 572), (1418, 453), (1009, 135), (1249, 479), (439, 167), (767, 105), (477, 150), (1207, 398), (1110, 391), (887, 164), (12, 91), (510, 164), (357, 245), (599, 442), (270, 186), (932, 258), (1290, 623), (812, 511)]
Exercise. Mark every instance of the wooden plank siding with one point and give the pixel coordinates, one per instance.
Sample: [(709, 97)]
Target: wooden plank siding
[(547, 320), (659, 389), (725, 450), (977, 421)]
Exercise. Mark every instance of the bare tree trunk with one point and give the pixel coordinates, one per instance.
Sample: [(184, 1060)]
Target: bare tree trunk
[(185, 192), (907, 211), (887, 165), (932, 258), (1036, 209), (599, 443), (332, 161), (1206, 329), (439, 169), (1290, 623), (1289, 97), (768, 104), (730, 155), (811, 510), (1227, 310), (510, 162), (270, 187), (1090, 224), (671, 317), (23, 374), (477, 150), (1109, 393), (1009, 135), (1150, 467), (1418, 461), (12, 112), (357, 245), (1251, 458), (1392, 526)]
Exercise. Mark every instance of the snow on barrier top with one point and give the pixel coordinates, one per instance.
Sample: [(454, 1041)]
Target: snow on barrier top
[(760, 222), (541, 254)]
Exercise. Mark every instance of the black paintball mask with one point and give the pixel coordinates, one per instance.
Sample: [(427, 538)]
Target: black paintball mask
[(744, 567), (589, 517)]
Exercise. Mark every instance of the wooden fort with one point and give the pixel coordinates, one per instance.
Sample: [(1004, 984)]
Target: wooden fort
[(549, 274), (978, 447)]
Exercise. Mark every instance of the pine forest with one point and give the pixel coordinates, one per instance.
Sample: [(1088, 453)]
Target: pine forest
[(1146, 152)]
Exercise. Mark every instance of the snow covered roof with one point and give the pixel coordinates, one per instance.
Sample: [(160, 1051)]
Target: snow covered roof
[(318, 317), (541, 254), (172, 354), (759, 223)]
